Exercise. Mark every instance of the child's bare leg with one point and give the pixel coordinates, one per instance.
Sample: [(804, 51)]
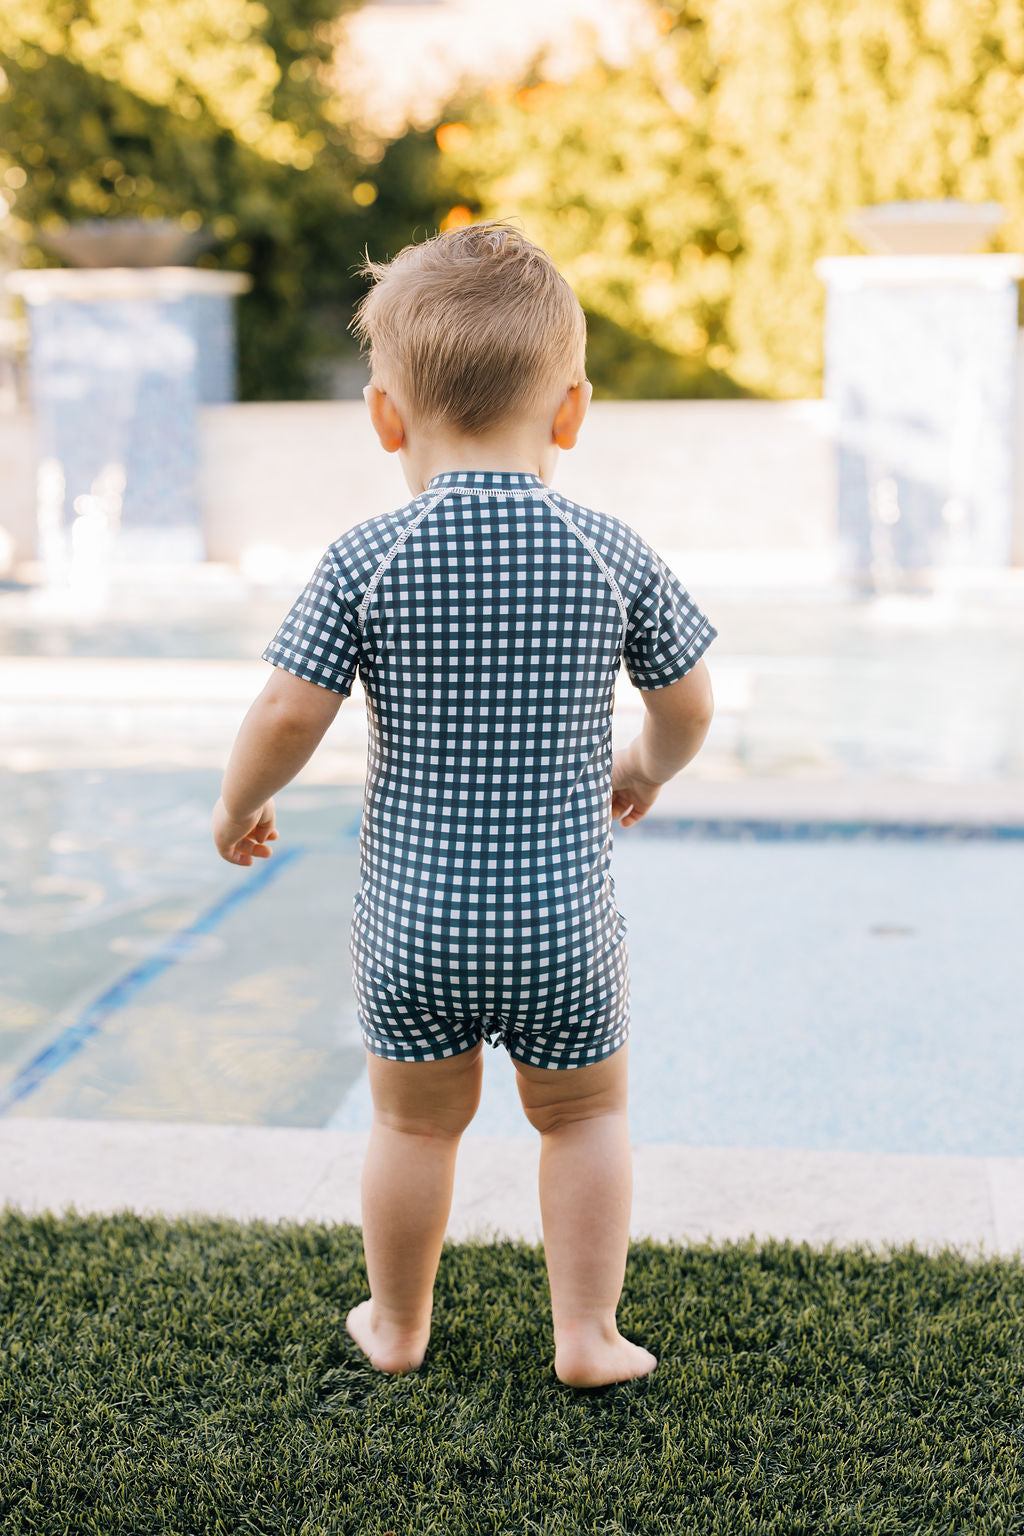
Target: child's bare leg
[(586, 1188), (420, 1112)]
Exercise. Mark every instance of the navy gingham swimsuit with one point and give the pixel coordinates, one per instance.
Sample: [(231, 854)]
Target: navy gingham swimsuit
[(488, 620)]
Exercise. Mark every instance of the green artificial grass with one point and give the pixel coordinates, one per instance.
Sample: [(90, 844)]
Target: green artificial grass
[(194, 1376)]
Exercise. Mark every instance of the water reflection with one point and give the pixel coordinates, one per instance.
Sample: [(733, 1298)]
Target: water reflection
[(136, 958), (104, 866)]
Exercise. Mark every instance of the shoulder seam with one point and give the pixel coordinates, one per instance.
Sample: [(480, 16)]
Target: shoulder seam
[(595, 554), (392, 552)]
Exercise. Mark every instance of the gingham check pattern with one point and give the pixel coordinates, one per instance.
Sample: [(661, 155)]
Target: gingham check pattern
[(487, 620)]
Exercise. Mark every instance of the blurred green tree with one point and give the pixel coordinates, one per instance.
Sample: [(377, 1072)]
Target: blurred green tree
[(821, 107), (613, 173), (219, 113), (688, 196)]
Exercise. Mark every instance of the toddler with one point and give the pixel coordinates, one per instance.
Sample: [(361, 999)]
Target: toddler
[(487, 620)]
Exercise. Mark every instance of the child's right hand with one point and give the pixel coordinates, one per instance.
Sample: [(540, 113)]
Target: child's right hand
[(632, 794), (238, 841)]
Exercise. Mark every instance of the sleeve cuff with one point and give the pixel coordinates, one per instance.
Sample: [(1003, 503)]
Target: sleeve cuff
[(672, 671), (321, 678)]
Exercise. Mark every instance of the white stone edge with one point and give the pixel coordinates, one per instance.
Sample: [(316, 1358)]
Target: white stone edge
[(44, 284), (986, 271), (681, 1194)]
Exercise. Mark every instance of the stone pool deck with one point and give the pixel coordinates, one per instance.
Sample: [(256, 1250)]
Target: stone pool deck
[(681, 1194)]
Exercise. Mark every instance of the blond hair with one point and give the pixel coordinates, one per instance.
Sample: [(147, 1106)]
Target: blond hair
[(475, 326)]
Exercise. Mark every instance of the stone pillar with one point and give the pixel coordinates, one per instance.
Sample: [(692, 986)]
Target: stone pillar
[(119, 360), (920, 367)]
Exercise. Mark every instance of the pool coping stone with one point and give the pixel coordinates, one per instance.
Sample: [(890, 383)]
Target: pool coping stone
[(682, 1194)]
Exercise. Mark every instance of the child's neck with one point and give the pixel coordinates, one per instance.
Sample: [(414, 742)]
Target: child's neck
[(511, 452)]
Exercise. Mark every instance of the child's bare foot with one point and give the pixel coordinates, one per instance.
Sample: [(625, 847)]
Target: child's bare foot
[(597, 1361), (385, 1348)]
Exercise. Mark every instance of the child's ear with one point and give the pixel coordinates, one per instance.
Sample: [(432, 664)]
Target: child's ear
[(569, 417), (387, 423)]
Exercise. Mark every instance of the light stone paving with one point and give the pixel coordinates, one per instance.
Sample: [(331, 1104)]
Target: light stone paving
[(154, 711), (681, 1194)]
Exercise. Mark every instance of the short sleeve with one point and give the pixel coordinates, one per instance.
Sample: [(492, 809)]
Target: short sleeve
[(667, 633), (320, 640)]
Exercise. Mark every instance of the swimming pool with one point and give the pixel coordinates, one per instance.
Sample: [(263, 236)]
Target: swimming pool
[(791, 987), (825, 990), (842, 987)]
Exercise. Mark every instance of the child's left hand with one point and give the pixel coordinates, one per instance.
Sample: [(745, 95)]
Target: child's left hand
[(240, 841)]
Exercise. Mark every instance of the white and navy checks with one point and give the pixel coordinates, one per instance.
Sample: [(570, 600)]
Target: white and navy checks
[(488, 620)]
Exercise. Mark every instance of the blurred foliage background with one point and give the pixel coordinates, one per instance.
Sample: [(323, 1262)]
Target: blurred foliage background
[(218, 113), (686, 196)]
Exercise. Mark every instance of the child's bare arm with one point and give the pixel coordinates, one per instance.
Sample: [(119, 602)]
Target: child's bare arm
[(676, 722), (278, 736)]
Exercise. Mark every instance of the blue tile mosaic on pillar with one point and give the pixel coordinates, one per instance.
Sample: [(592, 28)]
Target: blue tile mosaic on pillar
[(116, 382), (924, 380), (212, 323)]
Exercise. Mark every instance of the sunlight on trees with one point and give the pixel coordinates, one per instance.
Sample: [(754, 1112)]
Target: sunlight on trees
[(686, 196)]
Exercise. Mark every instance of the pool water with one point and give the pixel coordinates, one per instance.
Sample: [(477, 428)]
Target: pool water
[(856, 992), (816, 991)]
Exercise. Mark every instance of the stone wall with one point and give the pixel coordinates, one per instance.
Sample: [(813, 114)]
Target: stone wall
[(728, 482), (741, 488)]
